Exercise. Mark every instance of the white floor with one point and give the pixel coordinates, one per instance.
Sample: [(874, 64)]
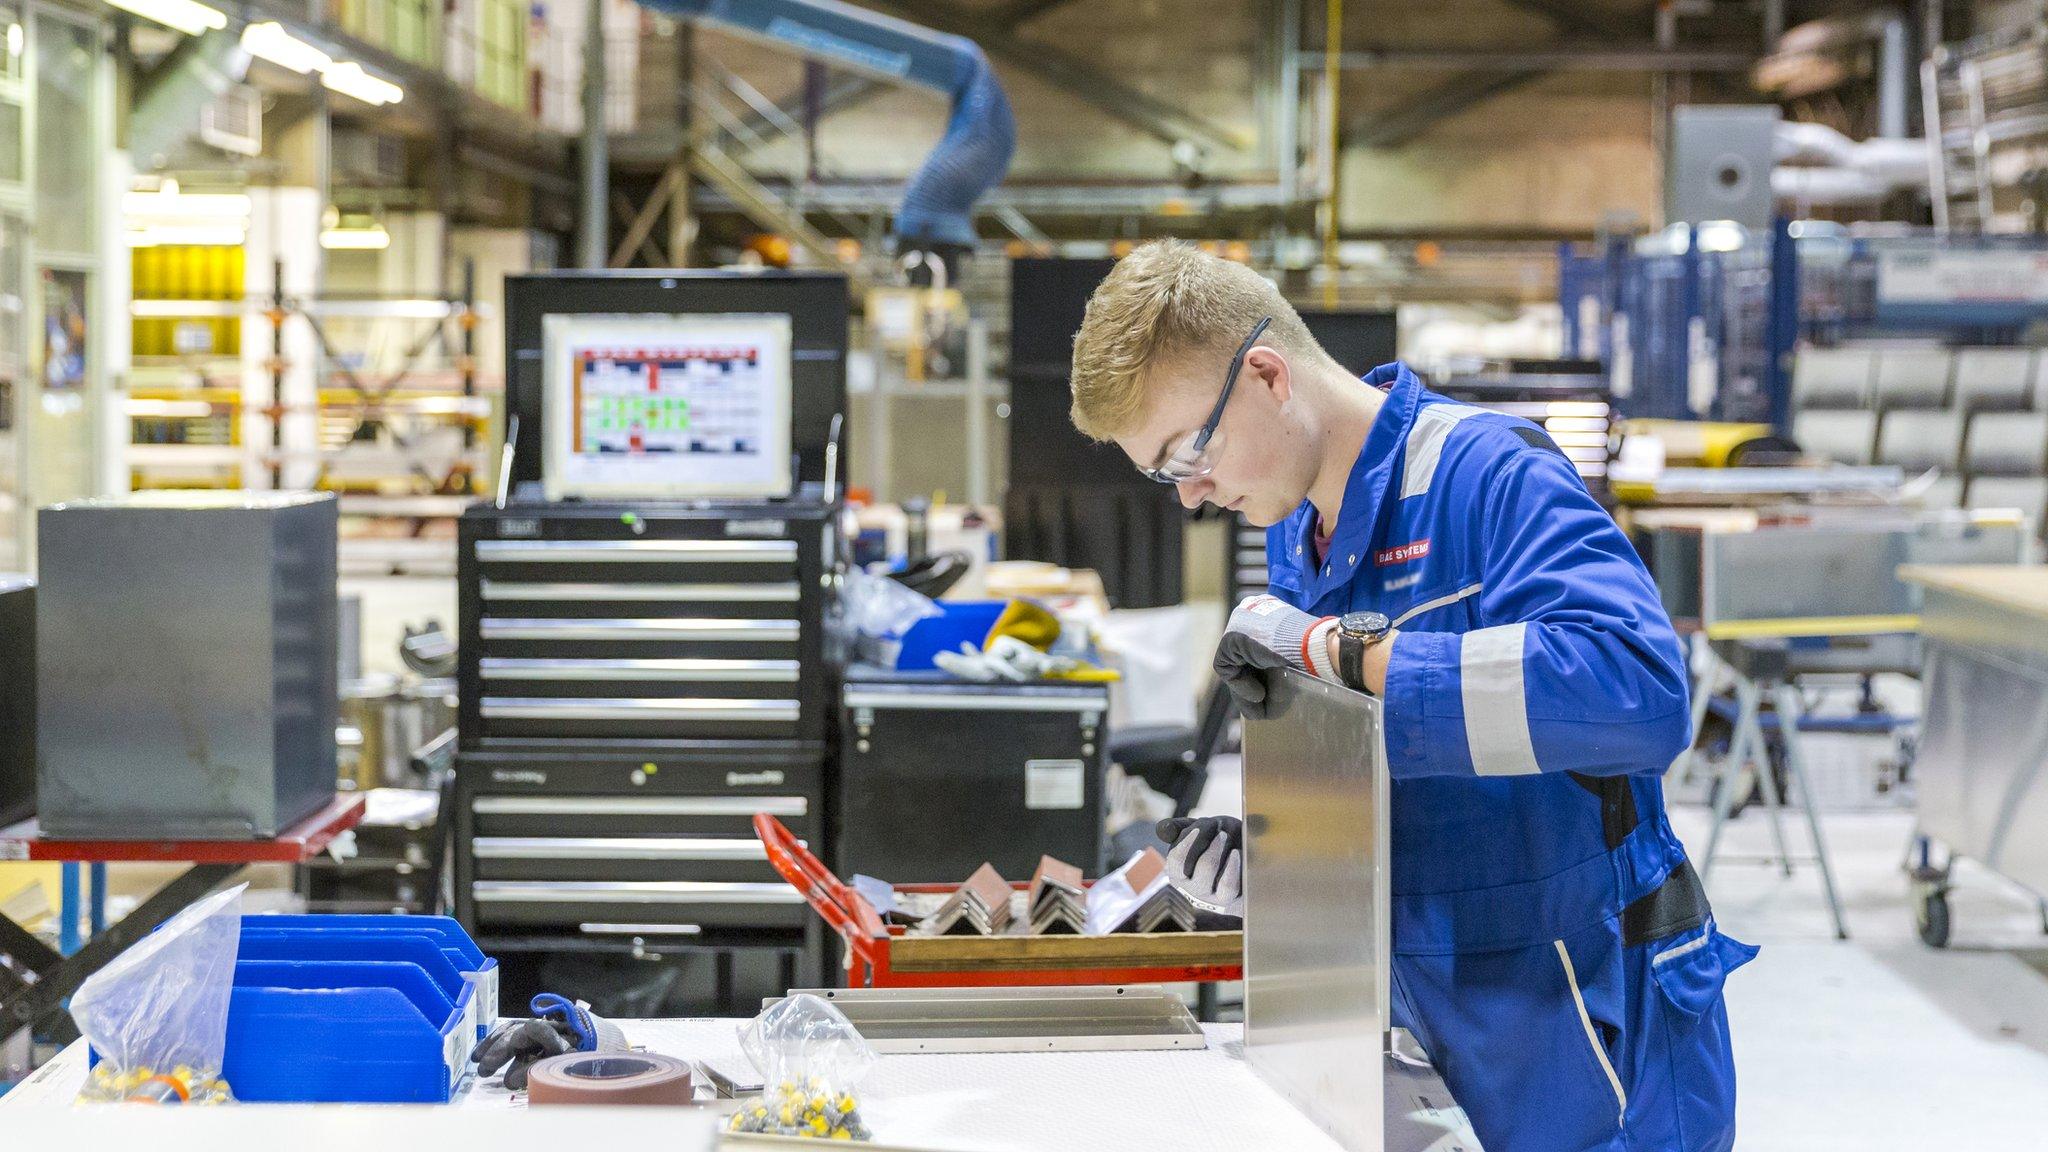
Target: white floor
[(1877, 1042)]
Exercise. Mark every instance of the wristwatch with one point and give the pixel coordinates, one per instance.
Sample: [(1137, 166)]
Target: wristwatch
[(1357, 631)]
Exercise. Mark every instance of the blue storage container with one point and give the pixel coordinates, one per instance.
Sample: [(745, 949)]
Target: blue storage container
[(357, 1032), (962, 622), (444, 930), (346, 946)]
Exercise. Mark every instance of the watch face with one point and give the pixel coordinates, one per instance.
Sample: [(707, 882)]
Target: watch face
[(1365, 625)]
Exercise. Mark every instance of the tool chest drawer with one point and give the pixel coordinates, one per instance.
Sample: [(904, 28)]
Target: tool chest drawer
[(586, 907), (637, 834), (596, 623)]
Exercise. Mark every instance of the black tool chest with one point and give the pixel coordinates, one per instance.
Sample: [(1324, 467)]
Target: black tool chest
[(636, 684)]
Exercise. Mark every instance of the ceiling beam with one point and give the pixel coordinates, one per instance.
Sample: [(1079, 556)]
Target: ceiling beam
[(849, 90), (1155, 117), (1563, 58), (1408, 120), (1017, 13), (1570, 16)]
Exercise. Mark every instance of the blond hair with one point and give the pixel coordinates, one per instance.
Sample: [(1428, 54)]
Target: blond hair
[(1165, 301)]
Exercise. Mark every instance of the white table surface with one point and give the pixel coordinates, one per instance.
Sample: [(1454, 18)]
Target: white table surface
[(1169, 1101)]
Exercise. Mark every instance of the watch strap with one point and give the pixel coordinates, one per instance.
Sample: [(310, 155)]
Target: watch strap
[(1351, 661)]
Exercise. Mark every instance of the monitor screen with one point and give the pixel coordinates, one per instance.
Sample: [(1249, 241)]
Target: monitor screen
[(673, 407)]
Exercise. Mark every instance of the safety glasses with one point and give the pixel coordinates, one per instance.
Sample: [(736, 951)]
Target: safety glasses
[(1195, 457)]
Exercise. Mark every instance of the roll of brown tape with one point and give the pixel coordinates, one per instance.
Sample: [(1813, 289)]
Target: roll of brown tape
[(609, 1078)]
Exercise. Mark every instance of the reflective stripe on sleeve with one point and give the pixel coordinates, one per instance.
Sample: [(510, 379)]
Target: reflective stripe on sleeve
[(1496, 711), (1433, 424)]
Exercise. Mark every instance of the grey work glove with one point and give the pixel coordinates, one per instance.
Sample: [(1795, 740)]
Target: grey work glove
[(1207, 861), (1266, 633), (559, 1025)]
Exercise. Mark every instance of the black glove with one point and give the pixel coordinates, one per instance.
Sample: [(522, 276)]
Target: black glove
[(1198, 834), (517, 1045), (1242, 664), (1207, 864), (559, 1025)]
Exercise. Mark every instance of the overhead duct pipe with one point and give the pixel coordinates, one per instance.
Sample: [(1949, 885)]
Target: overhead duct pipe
[(937, 211), (167, 109), (1818, 165)]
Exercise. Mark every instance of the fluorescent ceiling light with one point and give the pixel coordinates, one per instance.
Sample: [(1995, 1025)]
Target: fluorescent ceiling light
[(187, 16), (271, 42), (349, 79), (369, 239)]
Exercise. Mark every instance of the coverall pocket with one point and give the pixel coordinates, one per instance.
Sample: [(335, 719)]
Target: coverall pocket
[(1693, 966), (1689, 971)]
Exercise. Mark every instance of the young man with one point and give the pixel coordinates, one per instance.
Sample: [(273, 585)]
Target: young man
[(1553, 950)]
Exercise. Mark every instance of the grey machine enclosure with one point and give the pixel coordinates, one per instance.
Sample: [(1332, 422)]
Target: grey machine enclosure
[(186, 655), (1720, 164)]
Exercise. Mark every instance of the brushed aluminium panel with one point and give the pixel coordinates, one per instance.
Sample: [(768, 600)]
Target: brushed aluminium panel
[(1982, 763), (1317, 967), (1102, 1018), (1837, 569)]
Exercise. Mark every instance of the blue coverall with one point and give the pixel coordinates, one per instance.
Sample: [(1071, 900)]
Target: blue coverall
[(1552, 948)]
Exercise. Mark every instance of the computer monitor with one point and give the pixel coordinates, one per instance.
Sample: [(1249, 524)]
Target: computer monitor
[(666, 406)]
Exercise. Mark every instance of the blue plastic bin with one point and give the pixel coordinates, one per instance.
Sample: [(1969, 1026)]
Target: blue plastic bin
[(363, 1032), (963, 622), (444, 930), (300, 947)]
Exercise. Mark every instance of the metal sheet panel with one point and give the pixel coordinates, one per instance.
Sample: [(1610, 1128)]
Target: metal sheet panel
[(1839, 570), (1982, 764), (1316, 928)]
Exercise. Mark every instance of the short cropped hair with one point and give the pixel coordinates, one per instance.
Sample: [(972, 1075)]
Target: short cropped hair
[(1166, 300)]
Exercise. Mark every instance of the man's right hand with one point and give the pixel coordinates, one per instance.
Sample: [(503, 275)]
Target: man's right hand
[(1207, 861), (1265, 633)]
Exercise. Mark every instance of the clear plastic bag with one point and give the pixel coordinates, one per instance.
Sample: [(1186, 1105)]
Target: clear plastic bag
[(811, 1058), (158, 1014), (881, 611)]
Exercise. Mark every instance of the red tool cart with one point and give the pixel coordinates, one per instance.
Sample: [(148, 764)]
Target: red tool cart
[(880, 955)]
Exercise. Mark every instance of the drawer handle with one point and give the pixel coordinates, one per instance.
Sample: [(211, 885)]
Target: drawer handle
[(740, 806), (638, 551), (499, 628), (634, 708), (640, 929), (777, 592), (680, 671), (618, 848), (634, 892)]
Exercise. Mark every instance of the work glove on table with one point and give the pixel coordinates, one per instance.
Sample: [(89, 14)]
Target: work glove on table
[(1265, 634), (558, 1025), (1207, 862)]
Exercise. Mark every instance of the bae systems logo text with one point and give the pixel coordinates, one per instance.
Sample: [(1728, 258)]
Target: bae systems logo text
[(1406, 552)]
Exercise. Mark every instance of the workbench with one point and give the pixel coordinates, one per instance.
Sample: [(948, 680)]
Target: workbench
[(1168, 1101), (1983, 761), (214, 863)]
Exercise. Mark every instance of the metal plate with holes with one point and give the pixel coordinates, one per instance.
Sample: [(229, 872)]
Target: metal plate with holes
[(1087, 1019), (1317, 966)]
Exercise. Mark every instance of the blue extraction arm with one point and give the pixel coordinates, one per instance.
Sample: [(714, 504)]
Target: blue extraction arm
[(937, 213)]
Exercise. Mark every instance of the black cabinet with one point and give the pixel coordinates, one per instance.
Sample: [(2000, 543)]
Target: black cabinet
[(938, 776)]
